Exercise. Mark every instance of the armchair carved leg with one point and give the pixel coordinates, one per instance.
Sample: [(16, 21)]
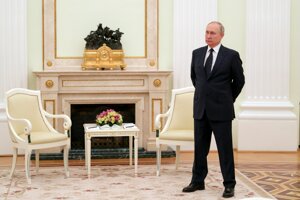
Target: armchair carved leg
[(37, 161), (158, 159), (14, 161), (177, 155), (66, 160), (27, 165)]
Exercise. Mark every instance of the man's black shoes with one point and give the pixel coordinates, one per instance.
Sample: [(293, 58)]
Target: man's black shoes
[(192, 187), (228, 192)]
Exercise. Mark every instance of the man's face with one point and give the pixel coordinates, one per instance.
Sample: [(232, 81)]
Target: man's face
[(213, 35)]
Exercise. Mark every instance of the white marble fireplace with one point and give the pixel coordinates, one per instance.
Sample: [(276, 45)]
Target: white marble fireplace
[(63, 82), (147, 90)]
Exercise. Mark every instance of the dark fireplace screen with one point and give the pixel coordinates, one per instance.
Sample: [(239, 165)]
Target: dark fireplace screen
[(86, 113)]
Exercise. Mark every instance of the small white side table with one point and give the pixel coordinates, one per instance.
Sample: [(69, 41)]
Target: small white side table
[(91, 131)]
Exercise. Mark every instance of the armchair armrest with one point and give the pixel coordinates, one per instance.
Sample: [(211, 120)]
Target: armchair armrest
[(157, 121), (67, 121), (27, 126)]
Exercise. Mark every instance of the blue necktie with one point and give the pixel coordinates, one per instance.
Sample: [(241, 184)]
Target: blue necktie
[(208, 62)]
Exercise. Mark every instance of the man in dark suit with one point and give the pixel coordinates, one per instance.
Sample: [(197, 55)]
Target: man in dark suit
[(218, 78)]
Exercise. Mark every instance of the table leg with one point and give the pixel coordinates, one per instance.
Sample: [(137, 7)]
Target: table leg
[(89, 156), (136, 143), (130, 150), (85, 150)]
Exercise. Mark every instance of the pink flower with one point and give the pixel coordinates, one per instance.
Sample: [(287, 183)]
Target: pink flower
[(110, 117)]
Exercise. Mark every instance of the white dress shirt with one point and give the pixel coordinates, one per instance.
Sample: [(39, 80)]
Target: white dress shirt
[(215, 54)]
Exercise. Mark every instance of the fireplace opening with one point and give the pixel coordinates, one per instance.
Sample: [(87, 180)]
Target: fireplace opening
[(86, 113)]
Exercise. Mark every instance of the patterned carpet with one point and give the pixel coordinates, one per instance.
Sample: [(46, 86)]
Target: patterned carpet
[(282, 180), (119, 182)]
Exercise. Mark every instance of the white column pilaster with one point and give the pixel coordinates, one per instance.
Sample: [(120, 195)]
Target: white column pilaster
[(266, 121), (13, 56), (189, 23), (190, 20)]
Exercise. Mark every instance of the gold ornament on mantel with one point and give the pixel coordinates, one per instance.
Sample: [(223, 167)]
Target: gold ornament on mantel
[(103, 58), (103, 50)]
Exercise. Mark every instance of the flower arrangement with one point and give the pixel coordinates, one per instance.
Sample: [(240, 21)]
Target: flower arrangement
[(109, 117)]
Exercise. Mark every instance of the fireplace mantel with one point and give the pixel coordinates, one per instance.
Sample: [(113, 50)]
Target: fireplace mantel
[(148, 90)]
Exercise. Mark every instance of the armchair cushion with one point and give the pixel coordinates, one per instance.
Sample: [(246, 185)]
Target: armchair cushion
[(177, 135), (39, 137)]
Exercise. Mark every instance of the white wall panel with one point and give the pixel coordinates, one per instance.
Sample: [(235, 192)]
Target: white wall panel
[(13, 56), (190, 19), (267, 49), (189, 24)]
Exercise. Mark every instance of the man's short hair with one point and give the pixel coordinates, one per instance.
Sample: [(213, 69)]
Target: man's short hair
[(222, 29)]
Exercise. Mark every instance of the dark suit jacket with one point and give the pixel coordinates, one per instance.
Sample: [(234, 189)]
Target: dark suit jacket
[(216, 93)]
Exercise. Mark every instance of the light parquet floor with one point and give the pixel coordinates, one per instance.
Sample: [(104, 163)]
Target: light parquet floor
[(277, 173)]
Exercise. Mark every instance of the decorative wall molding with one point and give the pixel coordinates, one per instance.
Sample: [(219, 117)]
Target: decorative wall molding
[(189, 19), (266, 121), (267, 111)]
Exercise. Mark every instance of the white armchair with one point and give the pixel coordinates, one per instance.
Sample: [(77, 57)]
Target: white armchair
[(179, 127), (30, 130)]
